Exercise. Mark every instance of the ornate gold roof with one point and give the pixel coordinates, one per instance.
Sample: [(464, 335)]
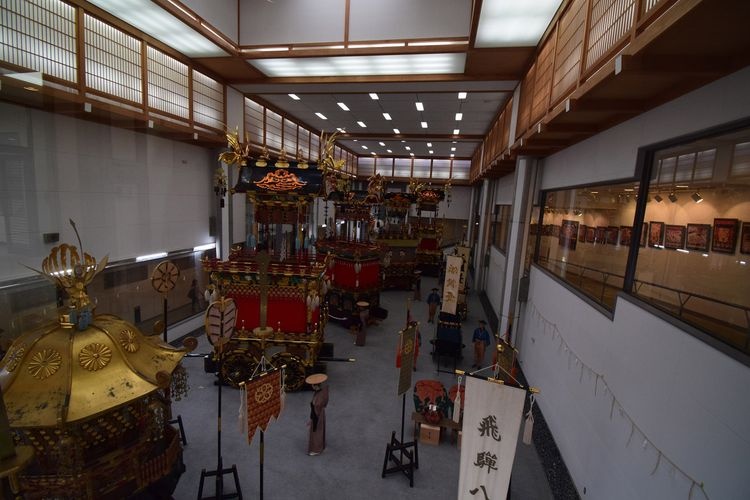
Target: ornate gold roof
[(58, 374), (83, 365)]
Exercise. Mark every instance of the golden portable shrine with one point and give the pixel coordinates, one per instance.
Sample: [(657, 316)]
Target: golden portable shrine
[(293, 313), (91, 395)]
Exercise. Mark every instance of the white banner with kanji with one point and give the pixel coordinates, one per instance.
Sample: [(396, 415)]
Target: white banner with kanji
[(492, 419), (451, 283)]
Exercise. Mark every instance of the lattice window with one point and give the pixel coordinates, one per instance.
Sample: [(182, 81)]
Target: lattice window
[(208, 101), (460, 169), (167, 84), (273, 130), (254, 121), (314, 147), (366, 166), (421, 168), (384, 166), (113, 60), (610, 22), (39, 35), (402, 167), (741, 160), (441, 169), (290, 138)]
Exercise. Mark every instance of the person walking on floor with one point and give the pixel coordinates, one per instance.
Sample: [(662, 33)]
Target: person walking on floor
[(480, 339), (433, 301), (317, 440), (194, 296)]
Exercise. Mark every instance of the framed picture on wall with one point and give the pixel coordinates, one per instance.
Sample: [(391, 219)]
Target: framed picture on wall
[(611, 235), (655, 234), (698, 237), (568, 234), (724, 235), (674, 236), (590, 234), (582, 233), (644, 234), (599, 235), (745, 240), (626, 234)]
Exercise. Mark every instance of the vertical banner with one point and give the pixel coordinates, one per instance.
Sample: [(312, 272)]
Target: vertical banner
[(263, 401), (492, 418), (406, 347), (451, 283), (463, 252)]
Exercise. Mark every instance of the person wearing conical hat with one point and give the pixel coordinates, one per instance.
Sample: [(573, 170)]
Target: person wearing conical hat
[(317, 440)]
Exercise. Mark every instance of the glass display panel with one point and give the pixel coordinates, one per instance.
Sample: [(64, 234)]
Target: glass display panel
[(694, 261), (384, 166), (366, 166), (460, 169), (585, 237), (441, 169), (122, 289)]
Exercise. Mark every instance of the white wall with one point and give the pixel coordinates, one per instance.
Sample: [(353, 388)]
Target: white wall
[(685, 398), (129, 193), (612, 154)]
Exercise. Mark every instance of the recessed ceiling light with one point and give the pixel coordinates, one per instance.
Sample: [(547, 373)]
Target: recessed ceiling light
[(376, 45), (456, 131), (411, 154), (459, 117), (419, 105), (438, 42), (389, 150), (373, 153), (402, 64), (403, 141), (462, 95), (343, 106), (341, 130), (453, 149), (321, 116), (294, 96), (355, 140), (396, 131), (431, 151), (509, 23), (374, 96), (452, 155), (386, 116), (429, 144), (382, 143), (408, 148), (453, 142), (364, 147), (362, 124), (424, 124)]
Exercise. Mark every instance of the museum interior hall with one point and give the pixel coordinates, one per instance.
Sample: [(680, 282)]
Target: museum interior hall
[(421, 249)]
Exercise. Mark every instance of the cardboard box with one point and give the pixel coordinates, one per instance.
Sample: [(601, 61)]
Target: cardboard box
[(429, 434)]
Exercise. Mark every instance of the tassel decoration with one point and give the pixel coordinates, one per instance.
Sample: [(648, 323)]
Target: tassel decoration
[(528, 425)]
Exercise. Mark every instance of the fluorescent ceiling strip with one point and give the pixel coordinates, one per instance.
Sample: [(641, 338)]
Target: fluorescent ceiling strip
[(364, 147), (382, 143), (405, 64), (320, 47), (362, 124), (456, 131), (268, 49), (182, 9), (429, 144), (424, 124), (459, 117), (408, 148), (294, 96), (343, 106), (374, 96), (419, 105), (387, 116), (462, 95), (376, 45), (510, 23), (321, 116), (389, 150), (438, 42), (150, 256), (396, 131), (207, 246), (157, 22)]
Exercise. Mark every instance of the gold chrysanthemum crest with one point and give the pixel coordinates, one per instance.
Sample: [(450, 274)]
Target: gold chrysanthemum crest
[(44, 363), (95, 356), (128, 340)]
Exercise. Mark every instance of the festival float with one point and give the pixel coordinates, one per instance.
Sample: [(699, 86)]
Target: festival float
[(354, 268), (428, 228), (400, 261), (91, 395), (278, 277)]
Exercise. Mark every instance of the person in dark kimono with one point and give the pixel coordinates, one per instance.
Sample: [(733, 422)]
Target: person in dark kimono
[(317, 424)]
